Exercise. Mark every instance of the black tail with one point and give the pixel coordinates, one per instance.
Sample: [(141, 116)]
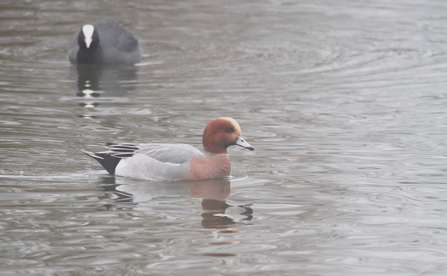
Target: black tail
[(105, 159)]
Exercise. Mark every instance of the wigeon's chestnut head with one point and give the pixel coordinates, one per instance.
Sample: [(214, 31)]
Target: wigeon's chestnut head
[(221, 133), (176, 161)]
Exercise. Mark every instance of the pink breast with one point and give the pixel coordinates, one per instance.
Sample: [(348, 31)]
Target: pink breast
[(213, 166)]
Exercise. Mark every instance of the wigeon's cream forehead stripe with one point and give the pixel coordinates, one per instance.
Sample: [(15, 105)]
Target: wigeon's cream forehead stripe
[(233, 122)]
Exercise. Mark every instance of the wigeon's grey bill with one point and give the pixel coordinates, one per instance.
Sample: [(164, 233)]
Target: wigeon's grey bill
[(241, 142)]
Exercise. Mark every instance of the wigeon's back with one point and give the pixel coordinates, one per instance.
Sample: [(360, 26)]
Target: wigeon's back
[(176, 161)]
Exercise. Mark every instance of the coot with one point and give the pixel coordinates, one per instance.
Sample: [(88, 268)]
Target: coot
[(104, 42)]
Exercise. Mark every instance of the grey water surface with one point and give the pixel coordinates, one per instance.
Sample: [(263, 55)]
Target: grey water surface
[(345, 103)]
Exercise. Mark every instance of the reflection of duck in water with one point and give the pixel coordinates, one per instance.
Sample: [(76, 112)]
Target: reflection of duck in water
[(214, 193), (176, 161), (214, 214)]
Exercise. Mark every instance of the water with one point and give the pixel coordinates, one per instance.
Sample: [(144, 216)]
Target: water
[(343, 101)]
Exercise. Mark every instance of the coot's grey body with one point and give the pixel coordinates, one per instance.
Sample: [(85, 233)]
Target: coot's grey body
[(109, 43)]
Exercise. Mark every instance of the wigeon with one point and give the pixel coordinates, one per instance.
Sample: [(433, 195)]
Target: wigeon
[(104, 42), (176, 161)]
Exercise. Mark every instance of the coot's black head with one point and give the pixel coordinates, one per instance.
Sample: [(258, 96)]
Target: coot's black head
[(88, 38), (89, 50)]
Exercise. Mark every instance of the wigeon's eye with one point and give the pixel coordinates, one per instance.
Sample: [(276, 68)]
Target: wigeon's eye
[(229, 130)]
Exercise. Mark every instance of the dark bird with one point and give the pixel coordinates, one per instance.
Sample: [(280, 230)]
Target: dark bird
[(104, 42)]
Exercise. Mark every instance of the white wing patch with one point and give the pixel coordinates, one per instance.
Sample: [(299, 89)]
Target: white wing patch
[(88, 34)]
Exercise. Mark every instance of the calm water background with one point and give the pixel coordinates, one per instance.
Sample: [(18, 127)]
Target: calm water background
[(344, 101)]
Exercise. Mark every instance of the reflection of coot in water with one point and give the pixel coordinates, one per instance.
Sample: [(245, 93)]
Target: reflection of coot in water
[(113, 80), (104, 42)]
